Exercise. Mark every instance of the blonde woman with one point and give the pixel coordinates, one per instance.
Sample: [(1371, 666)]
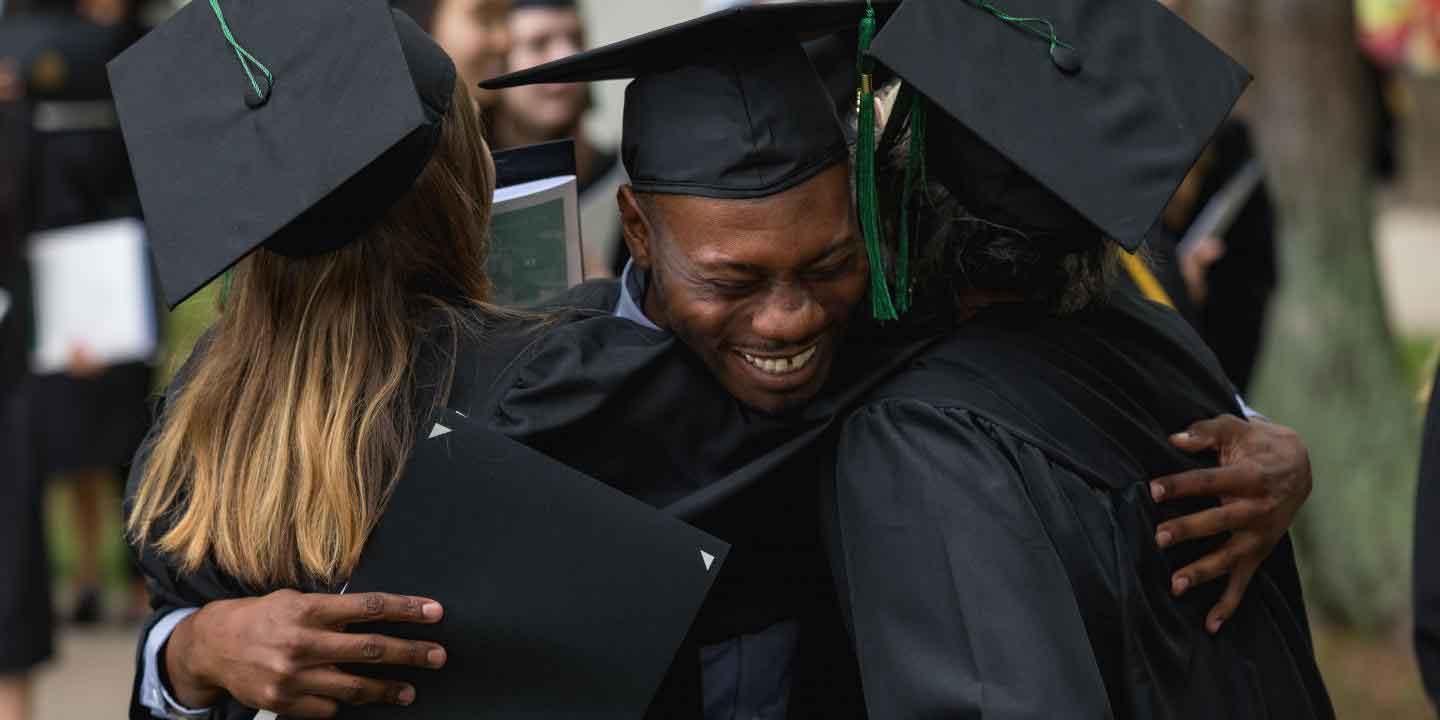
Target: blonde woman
[(285, 432)]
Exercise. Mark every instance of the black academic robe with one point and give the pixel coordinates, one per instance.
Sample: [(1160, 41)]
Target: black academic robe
[(991, 527), (1427, 551), (633, 408)]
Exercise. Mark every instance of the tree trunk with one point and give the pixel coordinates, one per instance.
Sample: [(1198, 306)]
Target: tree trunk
[(1330, 367), (1420, 150)]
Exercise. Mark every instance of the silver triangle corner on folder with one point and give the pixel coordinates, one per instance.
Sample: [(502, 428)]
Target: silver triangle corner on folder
[(707, 558)]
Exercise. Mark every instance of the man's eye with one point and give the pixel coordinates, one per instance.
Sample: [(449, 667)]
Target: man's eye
[(831, 271), (731, 287)]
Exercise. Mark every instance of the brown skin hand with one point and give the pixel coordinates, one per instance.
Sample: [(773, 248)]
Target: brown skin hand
[(279, 652), (1263, 479), (772, 278)]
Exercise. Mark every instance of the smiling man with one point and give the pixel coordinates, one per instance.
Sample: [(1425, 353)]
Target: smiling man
[(761, 290), (747, 267)]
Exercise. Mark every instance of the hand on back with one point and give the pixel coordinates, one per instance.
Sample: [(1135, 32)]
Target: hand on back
[(280, 652), (1261, 482)]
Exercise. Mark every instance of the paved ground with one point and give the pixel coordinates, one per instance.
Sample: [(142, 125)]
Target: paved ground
[(90, 676), (1409, 244)]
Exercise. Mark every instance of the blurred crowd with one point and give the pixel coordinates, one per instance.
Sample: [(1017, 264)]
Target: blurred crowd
[(63, 164)]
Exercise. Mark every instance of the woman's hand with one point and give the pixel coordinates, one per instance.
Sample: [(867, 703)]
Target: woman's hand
[(279, 652), (1262, 480)]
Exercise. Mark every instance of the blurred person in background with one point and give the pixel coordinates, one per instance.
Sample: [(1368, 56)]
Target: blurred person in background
[(1221, 282), (541, 31), (87, 422), (25, 632), (1427, 549), (476, 36)]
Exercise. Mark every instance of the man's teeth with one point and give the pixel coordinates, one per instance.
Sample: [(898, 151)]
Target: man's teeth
[(780, 366)]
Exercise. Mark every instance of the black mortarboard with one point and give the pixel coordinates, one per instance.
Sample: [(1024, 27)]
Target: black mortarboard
[(564, 597), (1106, 103), (726, 105), (300, 147)]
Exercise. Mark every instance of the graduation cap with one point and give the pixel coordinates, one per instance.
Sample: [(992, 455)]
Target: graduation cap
[(564, 597), (1101, 105), (724, 106), (292, 125)]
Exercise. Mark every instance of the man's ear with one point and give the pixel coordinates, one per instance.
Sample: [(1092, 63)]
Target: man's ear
[(638, 231)]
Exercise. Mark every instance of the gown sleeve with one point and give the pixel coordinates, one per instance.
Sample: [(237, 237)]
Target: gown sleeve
[(958, 603)]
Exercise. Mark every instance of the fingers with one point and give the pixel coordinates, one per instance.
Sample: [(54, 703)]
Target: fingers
[(338, 610), (350, 689), (1240, 549), (334, 648), (1240, 578), (1225, 518), (1243, 479), (1208, 434)]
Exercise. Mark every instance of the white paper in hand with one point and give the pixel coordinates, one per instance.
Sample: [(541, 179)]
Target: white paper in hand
[(92, 291)]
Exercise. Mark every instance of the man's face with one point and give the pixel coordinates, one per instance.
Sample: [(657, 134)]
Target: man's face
[(539, 35), (759, 289)]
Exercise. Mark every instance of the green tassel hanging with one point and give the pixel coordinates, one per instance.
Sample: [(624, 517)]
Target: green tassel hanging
[(866, 194), (914, 175)]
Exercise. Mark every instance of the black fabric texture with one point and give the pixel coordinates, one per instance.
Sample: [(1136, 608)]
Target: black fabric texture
[(993, 532), (631, 408)]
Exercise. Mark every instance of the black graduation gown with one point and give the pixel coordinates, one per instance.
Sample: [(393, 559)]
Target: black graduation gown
[(77, 177), (24, 575), (633, 408), (1427, 551), (991, 527)]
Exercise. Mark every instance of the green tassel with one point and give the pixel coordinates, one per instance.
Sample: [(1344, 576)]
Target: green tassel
[(227, 283), (881, 306), (914, 175)]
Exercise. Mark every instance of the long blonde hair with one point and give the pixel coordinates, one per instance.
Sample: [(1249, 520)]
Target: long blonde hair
[(276, 458)]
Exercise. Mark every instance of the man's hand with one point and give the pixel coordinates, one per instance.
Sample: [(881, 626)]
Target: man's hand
[(83, 365), (1262, 480), (279, 652), (1195, 267)]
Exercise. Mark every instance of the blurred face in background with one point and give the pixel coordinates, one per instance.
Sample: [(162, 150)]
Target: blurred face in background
[(476, 35), (539, 35), (105, 12)]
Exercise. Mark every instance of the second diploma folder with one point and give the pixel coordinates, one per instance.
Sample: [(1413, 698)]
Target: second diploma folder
[(563, 597)]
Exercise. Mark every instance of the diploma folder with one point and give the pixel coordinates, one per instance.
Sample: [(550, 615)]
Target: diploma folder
[(563, 597)]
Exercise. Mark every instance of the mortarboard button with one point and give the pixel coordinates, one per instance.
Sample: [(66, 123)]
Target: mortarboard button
[(254, 101), (1067, 59)]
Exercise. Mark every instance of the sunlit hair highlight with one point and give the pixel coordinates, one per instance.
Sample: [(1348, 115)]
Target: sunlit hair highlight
[(276, 458)]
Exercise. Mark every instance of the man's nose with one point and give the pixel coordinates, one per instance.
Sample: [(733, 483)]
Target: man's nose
[(789, 316)]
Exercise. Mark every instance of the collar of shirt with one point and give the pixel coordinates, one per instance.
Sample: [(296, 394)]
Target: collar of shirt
[(632, 293)]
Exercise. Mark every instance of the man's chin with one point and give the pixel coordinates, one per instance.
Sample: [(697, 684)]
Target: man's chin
[(773, 403)]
